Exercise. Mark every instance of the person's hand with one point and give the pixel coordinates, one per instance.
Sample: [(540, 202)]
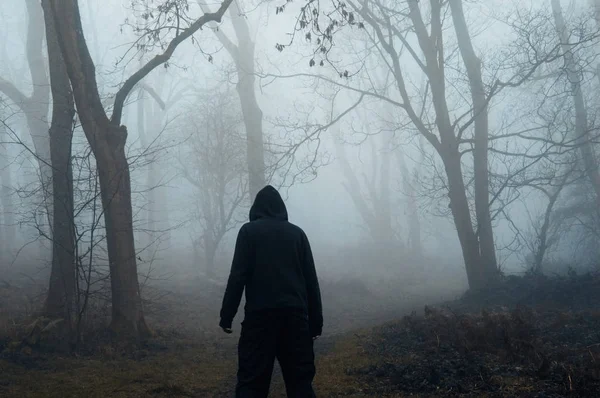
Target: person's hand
[(227, 330)]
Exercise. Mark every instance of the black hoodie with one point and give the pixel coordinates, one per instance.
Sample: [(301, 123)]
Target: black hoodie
[(274, 262)]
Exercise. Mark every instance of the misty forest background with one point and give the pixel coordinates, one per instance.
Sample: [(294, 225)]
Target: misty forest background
[(426, 147)]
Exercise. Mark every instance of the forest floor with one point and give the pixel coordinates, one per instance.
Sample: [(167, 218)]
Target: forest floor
[(537, 337)]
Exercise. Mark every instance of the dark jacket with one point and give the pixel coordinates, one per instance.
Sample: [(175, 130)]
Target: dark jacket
[(274, 262)]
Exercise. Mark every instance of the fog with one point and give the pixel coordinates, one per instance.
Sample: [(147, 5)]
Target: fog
[(229, 111)]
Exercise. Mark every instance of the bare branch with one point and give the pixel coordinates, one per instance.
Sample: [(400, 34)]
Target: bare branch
[(162, 58)]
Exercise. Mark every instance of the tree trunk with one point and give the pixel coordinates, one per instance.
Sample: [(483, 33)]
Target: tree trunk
[(480, 113), (414, 222), (574, 74), (149, 127), (62, 278), (36, 109), (155, 213), (384, 203), (252, 119), (8, 235), (243, 56), (540, 251), (38, 129), (115, 187), (144, 239), (210, 252), (459, 206)]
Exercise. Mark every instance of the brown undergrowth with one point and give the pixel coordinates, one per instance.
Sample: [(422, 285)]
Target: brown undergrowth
[(547, 350)]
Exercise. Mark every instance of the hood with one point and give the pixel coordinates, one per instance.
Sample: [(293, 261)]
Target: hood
[(268, 204)]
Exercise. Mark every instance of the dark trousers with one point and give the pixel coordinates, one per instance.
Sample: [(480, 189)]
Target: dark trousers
[(281, 334)]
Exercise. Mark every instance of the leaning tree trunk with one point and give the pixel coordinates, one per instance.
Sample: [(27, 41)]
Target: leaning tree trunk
[(142, 133), (472, 63), (543, 245), (59, 302), (155, 192)]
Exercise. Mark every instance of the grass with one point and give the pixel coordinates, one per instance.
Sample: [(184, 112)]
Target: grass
[(195, 372)]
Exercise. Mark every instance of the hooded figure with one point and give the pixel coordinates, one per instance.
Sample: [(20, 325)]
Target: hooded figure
[(273, 262)]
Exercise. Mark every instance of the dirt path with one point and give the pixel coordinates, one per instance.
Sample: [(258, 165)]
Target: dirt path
[(323, 347)]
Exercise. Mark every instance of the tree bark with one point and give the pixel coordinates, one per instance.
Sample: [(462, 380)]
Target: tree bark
[(574, 74), (59, 302), (472, 63)]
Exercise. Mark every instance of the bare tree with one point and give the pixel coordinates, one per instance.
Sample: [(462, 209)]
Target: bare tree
[(545, 238), (35, 105), (413, 32), (370, 192), (432, 62), (148, 124), (574, 75), (107, 138), (217, 170), (155, 99)]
